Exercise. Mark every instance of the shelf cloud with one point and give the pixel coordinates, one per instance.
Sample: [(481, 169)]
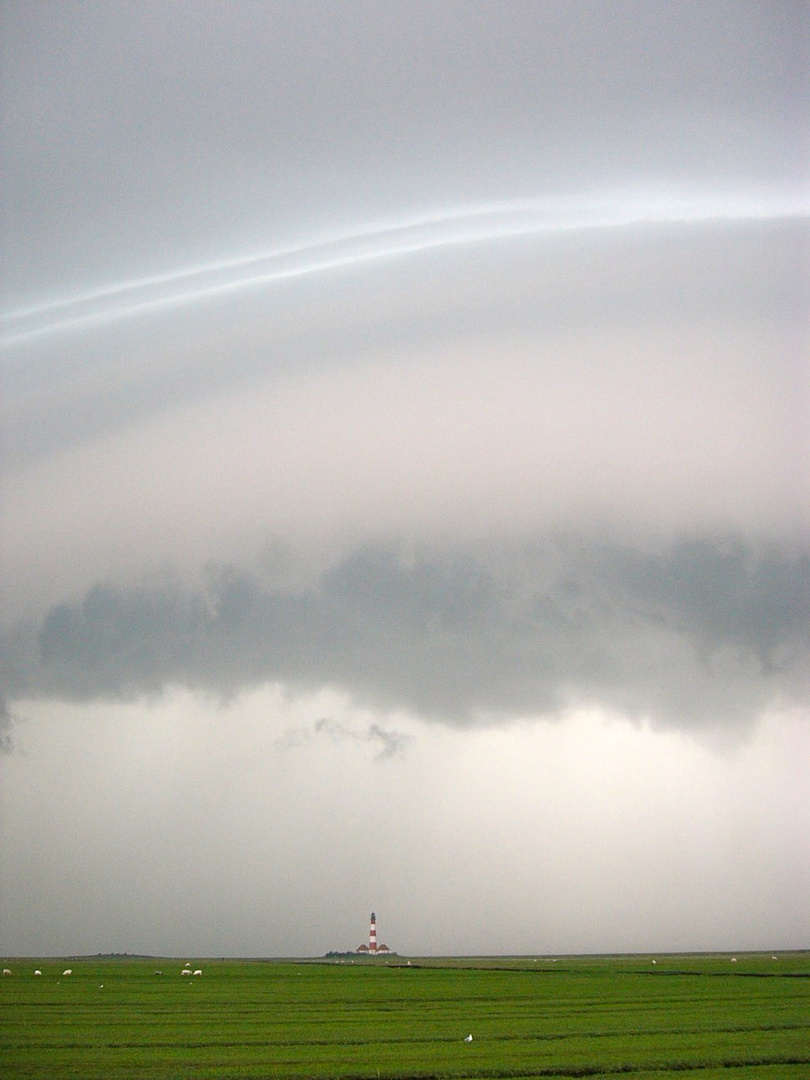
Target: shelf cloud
[(692, 634), (417, 386)]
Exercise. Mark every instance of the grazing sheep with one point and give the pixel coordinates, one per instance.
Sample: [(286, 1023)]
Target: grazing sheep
[(37, 972), (185, 971), (68, 971), (6, 971), (158, 972), (198, 971)]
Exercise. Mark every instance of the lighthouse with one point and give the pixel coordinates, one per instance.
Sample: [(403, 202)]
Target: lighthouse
[(373, 949), (372, 934)]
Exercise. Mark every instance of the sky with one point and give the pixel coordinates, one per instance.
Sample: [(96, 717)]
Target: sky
[(405, 498)]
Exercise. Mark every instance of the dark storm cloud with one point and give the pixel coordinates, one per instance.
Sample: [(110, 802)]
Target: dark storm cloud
[(6, 726), (695, 634)]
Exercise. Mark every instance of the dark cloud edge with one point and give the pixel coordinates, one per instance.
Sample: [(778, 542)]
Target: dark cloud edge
[(691, 635)]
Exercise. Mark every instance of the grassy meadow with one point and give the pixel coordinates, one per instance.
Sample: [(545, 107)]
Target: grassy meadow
[(697, 1015)]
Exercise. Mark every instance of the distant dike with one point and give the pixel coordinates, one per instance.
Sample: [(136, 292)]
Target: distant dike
[(354, 955)]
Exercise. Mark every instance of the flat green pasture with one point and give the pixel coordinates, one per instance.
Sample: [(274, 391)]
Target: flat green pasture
[(702, 1016)]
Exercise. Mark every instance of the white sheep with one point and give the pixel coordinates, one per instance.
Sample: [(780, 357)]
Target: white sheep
[(185, 971), (198, 971), (37, 972), (6, 971), (68, 971)]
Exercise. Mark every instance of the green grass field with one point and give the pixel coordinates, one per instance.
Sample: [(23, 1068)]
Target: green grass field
[(700, 1016)]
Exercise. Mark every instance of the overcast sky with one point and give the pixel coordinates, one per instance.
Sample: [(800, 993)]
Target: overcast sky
[(406, 476)]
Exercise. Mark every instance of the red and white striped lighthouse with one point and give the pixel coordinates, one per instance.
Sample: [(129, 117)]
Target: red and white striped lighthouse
[(372, 934)]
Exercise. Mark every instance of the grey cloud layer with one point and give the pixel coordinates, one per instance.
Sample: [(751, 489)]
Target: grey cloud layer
[(258, 119), (683, 286), (649, 380), (696, 634)]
